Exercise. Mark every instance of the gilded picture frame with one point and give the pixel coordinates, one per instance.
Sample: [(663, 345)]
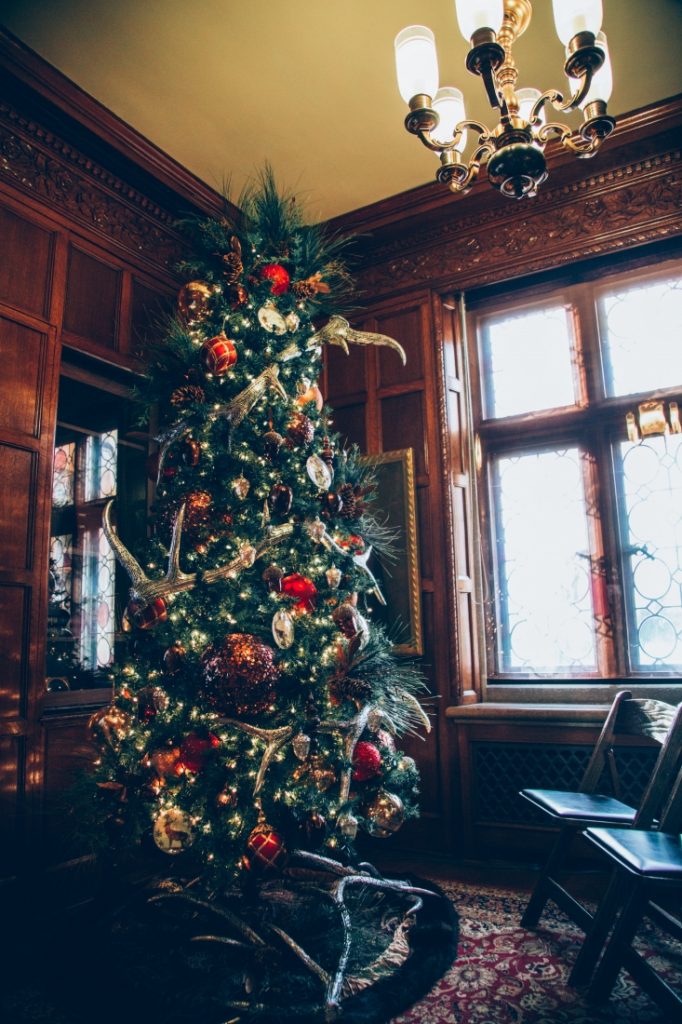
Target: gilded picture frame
[(395, 500)]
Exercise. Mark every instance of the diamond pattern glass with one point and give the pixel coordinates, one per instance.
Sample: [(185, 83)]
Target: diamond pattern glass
[(651, 482)]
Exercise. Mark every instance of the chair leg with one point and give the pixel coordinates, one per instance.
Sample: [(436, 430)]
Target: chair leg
[(621, 938), (539, 896), (596, 936)]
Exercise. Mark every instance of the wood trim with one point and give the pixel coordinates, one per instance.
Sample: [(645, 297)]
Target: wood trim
[(72, 102)]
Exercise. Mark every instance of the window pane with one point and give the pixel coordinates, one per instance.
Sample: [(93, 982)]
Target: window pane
[(99, 470), (545, 609), (651, 476), (63, 469), (527, 362), (641, 330)]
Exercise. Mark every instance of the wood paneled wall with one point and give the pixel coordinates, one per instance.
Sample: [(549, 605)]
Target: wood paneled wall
[(87, 247), (419, 252)]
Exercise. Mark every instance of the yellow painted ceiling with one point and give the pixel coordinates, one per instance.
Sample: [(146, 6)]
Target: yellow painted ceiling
[(309, 85)]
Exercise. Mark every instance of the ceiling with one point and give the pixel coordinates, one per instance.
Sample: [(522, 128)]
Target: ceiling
[(307, 85)]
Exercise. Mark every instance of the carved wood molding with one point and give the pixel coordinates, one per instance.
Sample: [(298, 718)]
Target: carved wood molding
[(47, 168), (632, 204)]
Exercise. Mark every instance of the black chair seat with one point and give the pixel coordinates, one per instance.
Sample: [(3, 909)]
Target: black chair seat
[(583, 807), (648, 854)]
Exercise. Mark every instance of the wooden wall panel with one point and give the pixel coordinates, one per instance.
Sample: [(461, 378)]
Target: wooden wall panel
[(92, 292), (346, 372), (23, 359), (403, 425), (405, 328), (11, 759), (25, 282), (149, 311), (349, 422), (17, 504), (14, 633)]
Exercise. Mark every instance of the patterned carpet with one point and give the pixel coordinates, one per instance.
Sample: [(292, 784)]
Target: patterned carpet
[(505, 974)]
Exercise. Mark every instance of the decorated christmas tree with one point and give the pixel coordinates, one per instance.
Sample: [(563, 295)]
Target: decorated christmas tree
[(253, 729)]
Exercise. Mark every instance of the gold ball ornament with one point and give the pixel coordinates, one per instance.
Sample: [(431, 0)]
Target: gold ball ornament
[(172, 831), (384, 815), (109, 726), (193, 301)]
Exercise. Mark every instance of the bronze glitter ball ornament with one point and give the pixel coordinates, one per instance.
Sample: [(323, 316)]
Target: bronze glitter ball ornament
[(193, 301), (240, 674), (384, 815), (108, 726)]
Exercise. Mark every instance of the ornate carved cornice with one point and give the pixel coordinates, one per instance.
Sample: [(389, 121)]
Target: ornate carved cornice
[(44, 166), (621, 207)]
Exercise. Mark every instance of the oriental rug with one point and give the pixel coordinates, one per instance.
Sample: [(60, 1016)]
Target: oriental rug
[(505, 974)]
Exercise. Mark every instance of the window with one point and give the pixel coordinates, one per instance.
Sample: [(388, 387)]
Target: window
[(96, 458), (576, 394)]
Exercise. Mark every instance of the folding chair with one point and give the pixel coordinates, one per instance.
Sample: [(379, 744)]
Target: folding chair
[(575, 811), (647, 871)]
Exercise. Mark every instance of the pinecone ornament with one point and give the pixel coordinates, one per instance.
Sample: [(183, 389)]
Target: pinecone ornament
[(303, 289), (233, 268), (352, 504), (187, 394)]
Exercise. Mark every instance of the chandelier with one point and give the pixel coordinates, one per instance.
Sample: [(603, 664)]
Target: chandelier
[(513, 150)]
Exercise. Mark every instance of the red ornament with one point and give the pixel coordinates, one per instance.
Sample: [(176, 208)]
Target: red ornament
[(240, 674), (303, 589), (278, 277), (196, 750), (354, 543), (300, 430), (140, 615), (266, 852), (218, 354), (170, 467), (174, 658), (197, 520), (366, 762)]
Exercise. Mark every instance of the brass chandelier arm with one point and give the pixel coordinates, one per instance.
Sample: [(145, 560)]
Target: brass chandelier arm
[(462, 126)]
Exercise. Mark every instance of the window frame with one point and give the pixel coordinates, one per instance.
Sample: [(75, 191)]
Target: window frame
[(596, 422)]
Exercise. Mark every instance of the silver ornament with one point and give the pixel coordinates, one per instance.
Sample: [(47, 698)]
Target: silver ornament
[(333, 577), (347, 825), (271, 320), (375, 720), (283, 629), (363, 630), (406, 764), (292, 322), (247, 555), (301, 745), (319, 472), (241, 487)]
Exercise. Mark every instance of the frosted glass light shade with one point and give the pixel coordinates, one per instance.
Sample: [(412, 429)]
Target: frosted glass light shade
[(527, 98), (449, 105), (573, 16), (416, 62), (602, 83), (475, 14)]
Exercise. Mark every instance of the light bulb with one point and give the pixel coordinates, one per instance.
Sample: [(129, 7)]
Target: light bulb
[(416, 62), (449, 105), (573, 16), (473, 15), (601, 86)]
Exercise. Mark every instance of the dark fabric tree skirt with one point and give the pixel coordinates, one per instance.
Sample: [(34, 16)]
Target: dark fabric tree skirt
[(140, 960)]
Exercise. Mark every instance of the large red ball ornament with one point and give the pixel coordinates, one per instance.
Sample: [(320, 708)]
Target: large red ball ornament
[(303, 589), (196, 751), (218, 354), (278, 277), (140, 615), (240, 674), (366, 762), (266, 852)]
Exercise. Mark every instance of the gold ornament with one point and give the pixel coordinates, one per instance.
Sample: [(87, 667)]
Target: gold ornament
[(241, 487), (314, 771), (193, 301), (334, 576), (406, 764), (109, 726), (347, 825), (384, 815), (301, 746), (173, 831)]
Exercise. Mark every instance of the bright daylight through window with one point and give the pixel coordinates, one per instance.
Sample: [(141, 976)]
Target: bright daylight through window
[(576, 407)]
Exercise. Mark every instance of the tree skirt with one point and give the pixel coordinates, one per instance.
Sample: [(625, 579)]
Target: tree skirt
[(291, 950), (505, 974)]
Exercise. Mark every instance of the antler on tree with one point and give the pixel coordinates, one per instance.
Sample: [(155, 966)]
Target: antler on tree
[(337, 331), (175, 580)]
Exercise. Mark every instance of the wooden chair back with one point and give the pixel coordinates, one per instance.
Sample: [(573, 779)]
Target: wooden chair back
[(652, 719), (671, 818)]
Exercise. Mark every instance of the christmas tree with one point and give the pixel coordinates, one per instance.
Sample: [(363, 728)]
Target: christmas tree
[(254, 725)]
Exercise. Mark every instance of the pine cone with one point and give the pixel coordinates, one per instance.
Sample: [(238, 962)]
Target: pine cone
[(352, 505), (353, 689), (303, 290), (188, 393), (233, 267)]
